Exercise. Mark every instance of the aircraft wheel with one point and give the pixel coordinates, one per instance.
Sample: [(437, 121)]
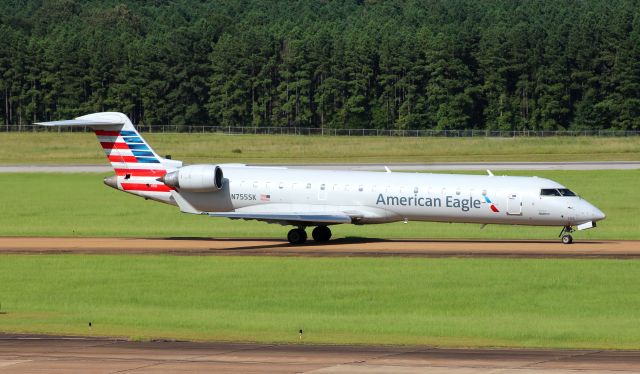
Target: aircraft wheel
[(321, 234), (567, 239), (297, 236)]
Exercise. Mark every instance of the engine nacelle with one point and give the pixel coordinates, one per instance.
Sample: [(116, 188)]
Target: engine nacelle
[(195, 178)]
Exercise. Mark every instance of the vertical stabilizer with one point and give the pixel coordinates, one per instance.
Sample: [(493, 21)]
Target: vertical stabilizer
[(136, 164)]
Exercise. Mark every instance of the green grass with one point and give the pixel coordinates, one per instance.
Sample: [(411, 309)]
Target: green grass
[(80, 205), (450, 302), (82, 148)]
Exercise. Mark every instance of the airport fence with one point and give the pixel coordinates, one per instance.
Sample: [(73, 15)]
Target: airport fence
[(309, 131)]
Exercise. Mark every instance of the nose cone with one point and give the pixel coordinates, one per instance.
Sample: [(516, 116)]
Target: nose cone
[(591, 212), (111, 181), (597, 214)]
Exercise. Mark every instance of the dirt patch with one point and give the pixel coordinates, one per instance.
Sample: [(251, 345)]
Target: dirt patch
[(336, 248)]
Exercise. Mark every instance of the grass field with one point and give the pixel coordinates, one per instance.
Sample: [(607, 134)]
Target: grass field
[(80, 205), (451, 302), (82, 148)]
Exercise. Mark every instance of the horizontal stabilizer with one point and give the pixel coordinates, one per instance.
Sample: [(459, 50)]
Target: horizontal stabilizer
[(79, 122)]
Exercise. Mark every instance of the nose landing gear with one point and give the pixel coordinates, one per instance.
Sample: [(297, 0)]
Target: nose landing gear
[(565, 235)]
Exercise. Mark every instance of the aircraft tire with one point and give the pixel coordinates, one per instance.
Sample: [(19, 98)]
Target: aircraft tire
[(297, 236), (321, 234), (567, 239)]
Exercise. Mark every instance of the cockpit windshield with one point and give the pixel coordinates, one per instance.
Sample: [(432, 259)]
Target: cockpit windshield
[(556, 192)]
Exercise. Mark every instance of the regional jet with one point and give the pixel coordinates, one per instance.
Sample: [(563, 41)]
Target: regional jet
[(319, 199)]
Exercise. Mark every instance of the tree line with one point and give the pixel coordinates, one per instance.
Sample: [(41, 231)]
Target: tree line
[(423, 64)]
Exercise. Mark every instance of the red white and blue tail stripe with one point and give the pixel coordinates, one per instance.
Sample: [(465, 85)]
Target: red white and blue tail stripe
[(136, 165)]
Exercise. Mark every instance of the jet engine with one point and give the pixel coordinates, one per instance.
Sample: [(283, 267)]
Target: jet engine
[(195, 178)]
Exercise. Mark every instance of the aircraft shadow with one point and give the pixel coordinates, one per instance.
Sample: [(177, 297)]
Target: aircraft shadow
[(275, 243)]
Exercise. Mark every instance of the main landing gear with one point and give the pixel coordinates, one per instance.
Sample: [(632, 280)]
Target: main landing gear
[(565, 234), (299, 236), (321, 234)]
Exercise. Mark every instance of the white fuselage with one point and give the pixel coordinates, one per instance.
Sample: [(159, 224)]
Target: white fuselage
[(317, 198), (375, 197)]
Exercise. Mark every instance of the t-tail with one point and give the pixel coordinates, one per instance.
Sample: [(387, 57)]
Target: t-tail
[(138, 168)]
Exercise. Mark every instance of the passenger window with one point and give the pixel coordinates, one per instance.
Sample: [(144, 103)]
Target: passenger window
[(415, 189), (322, 187), (281, 185), (360, 188), (308, 185)]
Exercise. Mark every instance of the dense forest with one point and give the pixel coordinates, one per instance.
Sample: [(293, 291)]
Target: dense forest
[(425, 64)]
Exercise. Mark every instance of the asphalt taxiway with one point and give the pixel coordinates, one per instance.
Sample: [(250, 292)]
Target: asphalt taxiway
[(22, 354), (439, 166)]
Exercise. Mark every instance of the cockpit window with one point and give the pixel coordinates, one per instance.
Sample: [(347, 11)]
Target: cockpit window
[(549, 192), (556, 192), (566, 192)]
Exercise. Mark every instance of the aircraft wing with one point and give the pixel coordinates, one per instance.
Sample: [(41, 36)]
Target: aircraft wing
[(285, 218)]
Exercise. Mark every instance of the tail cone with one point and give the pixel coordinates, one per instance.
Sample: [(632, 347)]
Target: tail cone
[(111, 181), (170, 179)]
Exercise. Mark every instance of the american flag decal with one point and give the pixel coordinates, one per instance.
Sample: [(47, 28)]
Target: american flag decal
[(264, 197)]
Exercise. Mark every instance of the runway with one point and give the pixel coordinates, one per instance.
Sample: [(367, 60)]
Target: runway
[(394, 166), (348, 247), (32, 354)]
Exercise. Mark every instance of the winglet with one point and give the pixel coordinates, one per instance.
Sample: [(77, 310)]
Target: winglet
[(183, 204)]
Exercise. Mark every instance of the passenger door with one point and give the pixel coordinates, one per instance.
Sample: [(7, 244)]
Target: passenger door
[(322, 192), (514, 204)]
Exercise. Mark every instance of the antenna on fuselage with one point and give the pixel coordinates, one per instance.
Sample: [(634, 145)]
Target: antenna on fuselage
[(490, 173), (387, 169)]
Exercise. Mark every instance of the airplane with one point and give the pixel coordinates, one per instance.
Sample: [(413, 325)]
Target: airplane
[(321, 198)]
